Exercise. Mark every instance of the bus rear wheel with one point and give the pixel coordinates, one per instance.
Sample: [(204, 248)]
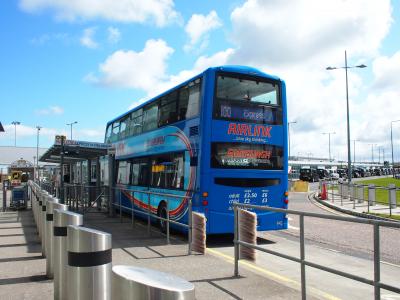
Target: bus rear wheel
[(162, 213)]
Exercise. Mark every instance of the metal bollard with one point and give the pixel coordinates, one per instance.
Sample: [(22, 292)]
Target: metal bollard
[(49, 200), (61, 220), (129, 282), (360, 193), (345, 190), (51, 206), (89, 264), (42, 218), (39, 212), (353, 191), (371, 194), (392, 195)]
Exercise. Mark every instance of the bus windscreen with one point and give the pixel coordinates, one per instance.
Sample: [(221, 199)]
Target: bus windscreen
[(247, 99)]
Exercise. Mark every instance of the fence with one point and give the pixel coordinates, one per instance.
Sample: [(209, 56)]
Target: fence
[(81, 198), (360, 193), (376, 282), (147, 213)]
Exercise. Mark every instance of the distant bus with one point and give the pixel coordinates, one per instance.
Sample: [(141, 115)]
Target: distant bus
[(220, 138)]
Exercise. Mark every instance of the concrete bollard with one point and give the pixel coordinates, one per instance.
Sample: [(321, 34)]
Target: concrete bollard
[(199, 232), (360, 194), (247, 231), (392, 195), (129, 282), (61, 220), (89, 264), (51, 205), (371, 194)]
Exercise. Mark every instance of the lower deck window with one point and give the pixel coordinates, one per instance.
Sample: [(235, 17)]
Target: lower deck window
[(167, 171)]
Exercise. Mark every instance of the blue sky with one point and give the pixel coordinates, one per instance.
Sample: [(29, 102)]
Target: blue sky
[(89, 61)]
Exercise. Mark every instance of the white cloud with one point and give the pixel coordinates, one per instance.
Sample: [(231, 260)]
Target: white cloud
[(114, 35), (52, 110), (29, 133), (130, 69), (387, 71), (286, 32), (198, 28), (87, 38), (161, 12)]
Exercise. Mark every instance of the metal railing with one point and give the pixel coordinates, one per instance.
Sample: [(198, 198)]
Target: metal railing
[(375, 282), (147, 212), (81, 197), (360, 193)]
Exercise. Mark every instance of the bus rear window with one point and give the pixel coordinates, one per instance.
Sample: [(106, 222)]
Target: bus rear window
[(246, 156), (247, 99)]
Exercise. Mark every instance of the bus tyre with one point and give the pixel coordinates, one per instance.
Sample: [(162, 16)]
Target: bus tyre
[(162, 213)]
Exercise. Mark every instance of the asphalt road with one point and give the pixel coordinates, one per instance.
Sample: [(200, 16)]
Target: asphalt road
[(350, 238)]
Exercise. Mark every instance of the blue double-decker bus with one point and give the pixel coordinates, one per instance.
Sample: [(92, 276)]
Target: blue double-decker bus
[(220, 138)]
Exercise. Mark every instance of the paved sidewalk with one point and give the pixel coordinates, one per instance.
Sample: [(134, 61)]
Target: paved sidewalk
[(22, 268)]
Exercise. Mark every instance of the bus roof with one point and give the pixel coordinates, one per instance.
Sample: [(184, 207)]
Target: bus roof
[(226, 68)]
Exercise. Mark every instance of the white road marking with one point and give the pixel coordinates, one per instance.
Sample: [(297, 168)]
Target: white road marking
[(390, 264), (389, 297)]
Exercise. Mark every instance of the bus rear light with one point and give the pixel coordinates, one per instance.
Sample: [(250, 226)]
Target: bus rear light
[(205, 202), (286, 201), (205, 194), (286, 194)]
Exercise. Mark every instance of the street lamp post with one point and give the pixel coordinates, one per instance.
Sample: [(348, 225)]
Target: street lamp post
[(354, 151), (379, 153), (348, 114), (37, 151), (372, 151), (329, 135), (70, 124), (294, 122), (15, 123), (391, 141)]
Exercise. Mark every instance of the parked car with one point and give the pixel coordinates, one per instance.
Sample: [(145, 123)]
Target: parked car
[(322, 173), (308, 174), (342, 173)]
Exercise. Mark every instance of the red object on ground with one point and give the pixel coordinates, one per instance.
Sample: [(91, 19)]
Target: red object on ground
[(323, 192)]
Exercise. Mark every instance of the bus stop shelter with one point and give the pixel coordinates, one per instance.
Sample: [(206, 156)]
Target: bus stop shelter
[(69, 152)]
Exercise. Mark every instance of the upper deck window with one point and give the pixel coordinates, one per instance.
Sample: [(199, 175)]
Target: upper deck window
[(247, 99), (238, 89)]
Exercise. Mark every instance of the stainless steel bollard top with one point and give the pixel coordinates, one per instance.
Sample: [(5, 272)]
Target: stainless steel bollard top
[(61, 220), (131, 282), (51, 205), (89, 264)]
